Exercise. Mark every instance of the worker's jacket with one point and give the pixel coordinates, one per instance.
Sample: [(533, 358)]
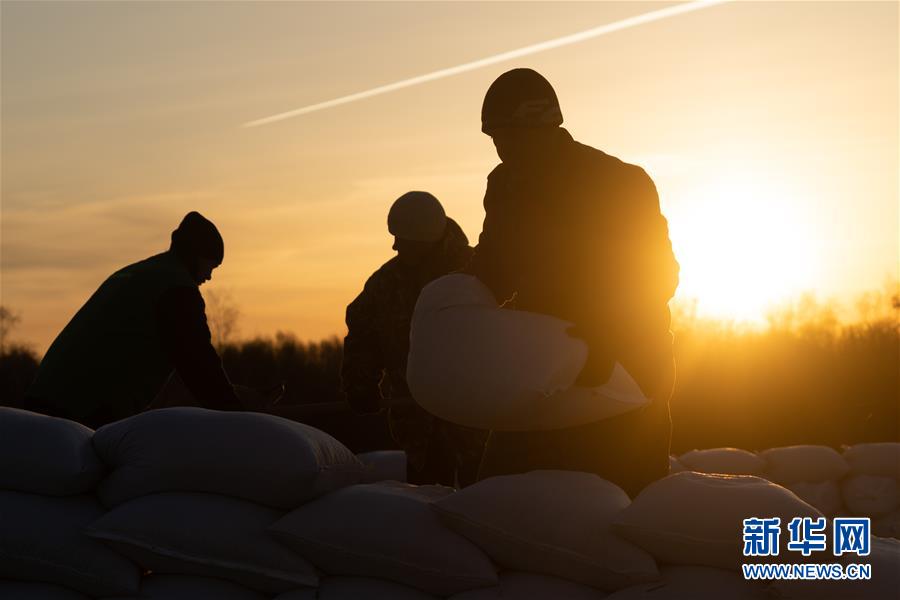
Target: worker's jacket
[(119, 349), (376, 349), (378, 320), (578, 234)]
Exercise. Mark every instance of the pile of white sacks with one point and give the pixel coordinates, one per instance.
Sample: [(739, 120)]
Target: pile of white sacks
[(191, 504), (863, 481)]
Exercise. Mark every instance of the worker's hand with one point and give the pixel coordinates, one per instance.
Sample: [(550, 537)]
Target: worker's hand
[(275, 393)]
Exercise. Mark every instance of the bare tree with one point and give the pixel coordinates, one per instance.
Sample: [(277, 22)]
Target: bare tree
[(223, 315), (8, 321)]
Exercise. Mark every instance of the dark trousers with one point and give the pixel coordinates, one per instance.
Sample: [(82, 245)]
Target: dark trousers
[(630, 450), (437, 451)]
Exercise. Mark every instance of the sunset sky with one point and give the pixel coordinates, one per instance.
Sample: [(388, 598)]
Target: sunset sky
[(770, 128)]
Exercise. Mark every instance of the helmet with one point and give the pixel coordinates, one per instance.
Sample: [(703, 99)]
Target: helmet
[(417, 216), (197, 237), (520, 98)]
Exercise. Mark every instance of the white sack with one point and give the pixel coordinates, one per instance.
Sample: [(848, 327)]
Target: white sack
[(358, 588), (21, 590), (185, 587), (386, 530), (730, 461), (301, 594), (697, 519), (824, 495), (258, 457), (205, 535), (552, 523), (695, 583), (41, 540), (882, 459), (675, 465), (885, 582), (528, 586), (870, 495), (791, 464), (46, 455), (887, 526), (383, 465), (475, 364)]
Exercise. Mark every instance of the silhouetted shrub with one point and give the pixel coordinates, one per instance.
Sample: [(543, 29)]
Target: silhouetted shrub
[(805, 378), (18, 365)]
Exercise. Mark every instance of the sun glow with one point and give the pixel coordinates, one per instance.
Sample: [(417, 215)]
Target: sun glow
[(743, 248)]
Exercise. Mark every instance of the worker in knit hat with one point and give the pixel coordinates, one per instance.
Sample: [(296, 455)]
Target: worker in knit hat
[(144, 322), (573, 232)]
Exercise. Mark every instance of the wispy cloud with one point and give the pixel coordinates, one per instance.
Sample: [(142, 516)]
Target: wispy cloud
[(567, 40)]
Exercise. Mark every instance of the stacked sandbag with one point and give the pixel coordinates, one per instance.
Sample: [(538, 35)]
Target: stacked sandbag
[(870, 495), (529, 586), (383, 465), (258, 457), (863, 481), (812, 464), (884, 559), (25, 590), (553, 523), (45, 455), (476, 364), (192, 492), (887, 526), (183, 587), (386, 530), (358, 588), (205, 535), (824, 495), (872, 488), (879, 459), (812, 472), (729, 461), (48, 472), (696, 519), (695, 583)]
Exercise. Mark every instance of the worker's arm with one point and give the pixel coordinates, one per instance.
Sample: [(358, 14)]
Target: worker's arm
[(362, 367), (656, 272), (491, 259), (185, 337), (647, 273)]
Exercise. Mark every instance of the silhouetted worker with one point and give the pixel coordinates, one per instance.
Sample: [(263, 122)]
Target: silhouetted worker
[(145, 320), (576, 233), (429, 244)]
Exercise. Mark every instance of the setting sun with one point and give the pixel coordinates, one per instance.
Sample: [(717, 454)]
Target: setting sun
[(743, 247), (769, 129)]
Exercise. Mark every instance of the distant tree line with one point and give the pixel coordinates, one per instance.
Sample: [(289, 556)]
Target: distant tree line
[(805, 378)]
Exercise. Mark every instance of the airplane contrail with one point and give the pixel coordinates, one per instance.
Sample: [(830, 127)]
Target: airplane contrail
[(574, 38)]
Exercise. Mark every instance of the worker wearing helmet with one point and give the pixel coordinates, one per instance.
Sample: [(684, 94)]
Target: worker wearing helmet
[(143, 322), (576, 233), (373, 375)]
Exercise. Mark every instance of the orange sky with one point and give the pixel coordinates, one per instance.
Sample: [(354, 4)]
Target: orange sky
[(771, 130)]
